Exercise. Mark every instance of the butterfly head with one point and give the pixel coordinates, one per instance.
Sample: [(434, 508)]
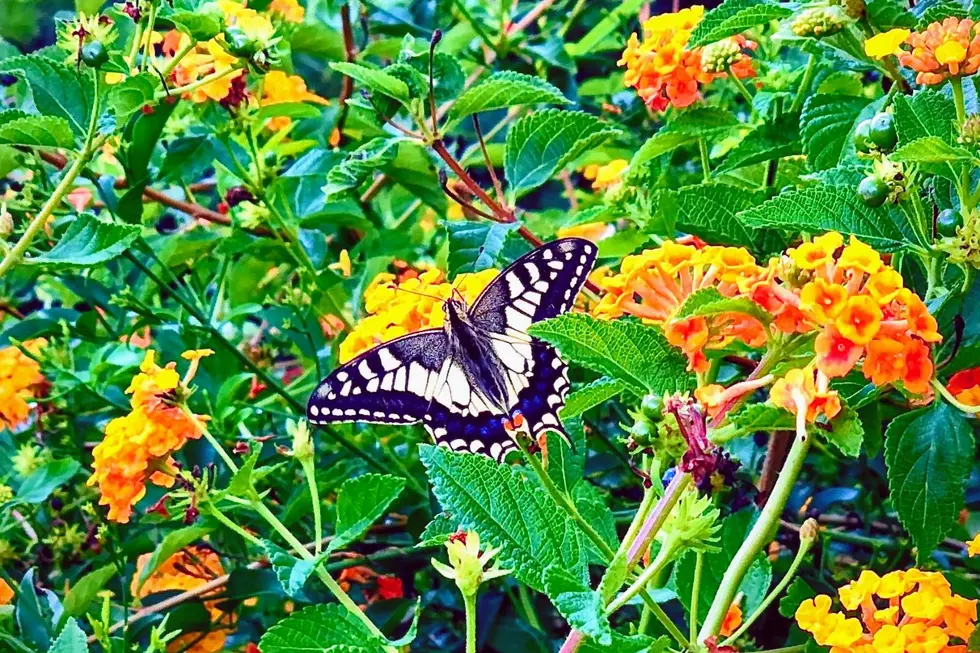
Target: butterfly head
[(455, 307)]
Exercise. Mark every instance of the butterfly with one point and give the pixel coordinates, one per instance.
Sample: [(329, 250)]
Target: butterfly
[(471, 380)]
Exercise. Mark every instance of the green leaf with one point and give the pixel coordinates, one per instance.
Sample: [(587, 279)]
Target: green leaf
[(733, 17), (33, 612), (476, 246), (827, 208), (702, 121), (974, 644), (664, 141), (565, 466), (769, 141), (582, 607), (171, 544), (508, 510), (623, 349), (889, 14), (437, 531), (377, 80), (18, 128), (241, 483), (938, 11), (505, 89), (71, 640), (200, 25), (589, 43), (132, 94), (43, 481), (929, 454), (321, 629), (56, 89), (590, 396), (755, 584), (88, 241), (932, 149), (761, 417), (628, 644), (927, 113), (362, 501), (291, 571), (828, 128), (797, 592), (84, 591), (846, 432), (361, 164), (540, 144), (710, 211), (708, 301)]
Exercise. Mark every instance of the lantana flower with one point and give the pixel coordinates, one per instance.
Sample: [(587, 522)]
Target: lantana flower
[(901, 611), (138, 447), (185, 570), (607, 175), (20, 379), (807, 387), (947, 49), (973, 546), (653, 285), (279, 88), (289, 10), (394, 309), (965, 386), (886, 44), (467, 565)]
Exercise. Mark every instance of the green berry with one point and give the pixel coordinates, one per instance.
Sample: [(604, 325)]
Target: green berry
[(947, 222), (882, 131), (873, 191), (862, 137), (94, 54)]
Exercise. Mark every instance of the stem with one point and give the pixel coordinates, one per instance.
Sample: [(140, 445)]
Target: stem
[(695, 590), (812, 65), (742, 89), (653, 523), (224, 519), (761, 532), (180, 54), (705, 159), (648, 574), (204, 81), (948, 396), (469, 602), (309, 472), (668, 625), (963, 190), (527, 605), (88, 149), (225, 456), (503, 215)]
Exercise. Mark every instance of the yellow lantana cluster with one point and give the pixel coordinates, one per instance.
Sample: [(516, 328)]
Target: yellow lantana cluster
[(395, 309), (138, 446), (950, 48), (280, 88), (912, 610), (19, 378)]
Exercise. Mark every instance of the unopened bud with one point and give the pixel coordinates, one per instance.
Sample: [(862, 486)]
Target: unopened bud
[(809, 530), (970, 130), (6, 222), (720, 56), (436, 37), (819, 21)]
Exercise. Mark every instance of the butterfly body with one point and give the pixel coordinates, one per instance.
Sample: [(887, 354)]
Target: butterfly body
[(468, 380)]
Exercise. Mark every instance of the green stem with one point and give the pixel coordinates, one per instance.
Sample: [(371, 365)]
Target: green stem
[(225, 456), (812, 64), (204, 81), (640, 584), (309, 472), (948, 396), (695, 591), (35, 226), (148, 35), (469, 603), (963, 189), (180, 54), (527, 605), (227, 521), (705, 159), (742, 89), (758, 537)]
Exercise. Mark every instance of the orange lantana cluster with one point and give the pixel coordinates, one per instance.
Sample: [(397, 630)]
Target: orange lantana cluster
[(19, 377), (943, 50), (663, 70), (859, 307), (138, 446), (394, 309), (901, 611), (653, 285), (965, 386), (185, 570)]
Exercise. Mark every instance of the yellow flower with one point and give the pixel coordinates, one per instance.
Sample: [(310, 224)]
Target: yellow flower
[(973, 547), (886, 44), (950, 52), (610, 174), (20, 377), (279, 88), (290, 10), (856, 592), (342, 265)]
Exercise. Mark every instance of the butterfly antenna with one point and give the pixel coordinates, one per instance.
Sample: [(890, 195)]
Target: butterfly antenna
[(415, 292)]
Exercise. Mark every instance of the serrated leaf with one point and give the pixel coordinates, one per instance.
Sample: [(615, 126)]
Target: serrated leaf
[(710, 210), (362, 501), (828, 128), (87, 242), (437, 531), (540, 144), (708, 301), (762, 417), (590, 396), (56, 89), (797, 592), (377, 80), (769, 141), (929, 454), (505, 89), (623, 349), (733, 17), (71, 640), (939, 11), (846, 432), (476, 246), (291, 571), (320, 629), (241, 483), (508, 510), (703, 121), (885, 15), (593, 505), (355, 169), (582, 607), (200, 25), (46, 479), (171, 544), (132, 94), (818, 209), (927, 113), (565, 465), (664, 141), (84, 591), (932, 149), (18, 128), (755, 584), (628, 644)]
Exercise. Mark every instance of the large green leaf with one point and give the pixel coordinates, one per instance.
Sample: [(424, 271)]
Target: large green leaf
[(505, 89), (46, 479), (933, 149), (769, 141), (733, 17), (927, 113), (889, 14), (362, 501), (710, 212), (566, 464), (56, 89), (581, 606), (827, 208), (664, 141), (87, 242), (476, 246), (321, 629), (199, 25), (84, 591), (628, 644), (171, 544), (361, 164), (376, 80), (828, 128), (19, 128), (508, 510), (540, 144), (591, 395), (71, 639), (132, 94), (929, 454), (623, 349)]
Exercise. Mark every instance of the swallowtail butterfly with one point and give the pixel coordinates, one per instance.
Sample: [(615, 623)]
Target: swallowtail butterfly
[(466, 380)]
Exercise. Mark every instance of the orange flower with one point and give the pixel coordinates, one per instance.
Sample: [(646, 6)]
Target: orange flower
[(138, 446), (6, 593), (732, 621), (186, 570), (943, 50), (20, 378), (808, 387), (280, 88), (823, 300), (204, 60), (965, 386), (859, 319), (290, 10), (835, 354), (885, 362)]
